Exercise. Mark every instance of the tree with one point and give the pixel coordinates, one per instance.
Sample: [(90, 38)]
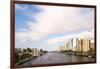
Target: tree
[(24, 50), (91, 52), (29, 50), (16, 57), (41, 52)]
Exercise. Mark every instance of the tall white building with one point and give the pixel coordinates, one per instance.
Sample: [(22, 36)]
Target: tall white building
[(75, 44), (35, 52), (70, 44), (66, 46)]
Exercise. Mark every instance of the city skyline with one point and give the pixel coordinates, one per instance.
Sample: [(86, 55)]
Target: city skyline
[(48, 27), (72, 46)]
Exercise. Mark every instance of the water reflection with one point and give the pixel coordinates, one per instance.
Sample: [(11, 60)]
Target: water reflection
[(56, 57)]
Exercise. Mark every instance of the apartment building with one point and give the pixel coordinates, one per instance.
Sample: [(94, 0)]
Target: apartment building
[(35, 52)]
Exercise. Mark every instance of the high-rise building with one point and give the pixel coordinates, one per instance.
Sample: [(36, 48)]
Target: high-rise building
[(80, 45), (84, 45), (35, 52), (70, 45), (75, 44), (61, 48), (66, 46)]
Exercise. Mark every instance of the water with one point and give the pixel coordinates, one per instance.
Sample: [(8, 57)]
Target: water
[(56, 57)]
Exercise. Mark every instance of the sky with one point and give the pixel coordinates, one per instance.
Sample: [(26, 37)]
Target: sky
[(48, 27)]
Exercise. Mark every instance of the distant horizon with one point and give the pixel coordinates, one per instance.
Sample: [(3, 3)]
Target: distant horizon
[(50, 50), (48, 27)]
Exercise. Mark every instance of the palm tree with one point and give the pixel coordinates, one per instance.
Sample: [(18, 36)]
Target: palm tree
[(24, 50), (29, 50), (41, 52)]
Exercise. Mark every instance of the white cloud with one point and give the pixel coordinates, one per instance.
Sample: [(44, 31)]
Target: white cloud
[(57, 20), (89, 35), (18, 7)]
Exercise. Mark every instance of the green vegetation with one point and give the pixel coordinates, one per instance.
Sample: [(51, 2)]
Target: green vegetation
[(42, 52), (90, 53), (22, 55), (25, 54)]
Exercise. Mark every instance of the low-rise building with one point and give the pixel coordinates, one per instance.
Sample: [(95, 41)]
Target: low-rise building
[(18, 50)]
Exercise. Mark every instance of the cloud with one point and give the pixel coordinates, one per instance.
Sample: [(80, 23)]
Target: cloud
[(19, 7), (59, 20), (89, 35), (53, 20)]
